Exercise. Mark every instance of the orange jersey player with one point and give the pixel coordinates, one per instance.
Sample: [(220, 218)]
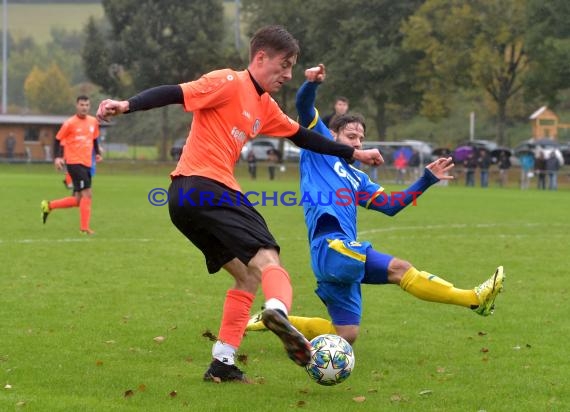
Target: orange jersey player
[(75, 143)]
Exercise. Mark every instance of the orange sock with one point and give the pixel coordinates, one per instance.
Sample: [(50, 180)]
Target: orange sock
[(235, 316), (276, 284), (85, 212), (69, 201)]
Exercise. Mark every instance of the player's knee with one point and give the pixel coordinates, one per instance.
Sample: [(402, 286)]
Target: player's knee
[(348, 332), (397, 269), (263, 258)]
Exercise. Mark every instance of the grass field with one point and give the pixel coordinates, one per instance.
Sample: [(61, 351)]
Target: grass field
[(78, 315)]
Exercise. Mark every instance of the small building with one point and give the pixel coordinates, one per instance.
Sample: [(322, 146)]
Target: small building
[(30, 138), (545, 124)]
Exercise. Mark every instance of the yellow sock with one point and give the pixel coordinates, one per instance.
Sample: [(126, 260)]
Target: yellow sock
[(429, 287), (312, 327)]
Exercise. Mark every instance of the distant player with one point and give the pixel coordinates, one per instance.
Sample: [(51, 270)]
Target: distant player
[(340, 262), (74, 145)]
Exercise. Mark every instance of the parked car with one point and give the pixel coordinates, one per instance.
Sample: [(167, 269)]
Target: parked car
[(262, 145), (176, 149)]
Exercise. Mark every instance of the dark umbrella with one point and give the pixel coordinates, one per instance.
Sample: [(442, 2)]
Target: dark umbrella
[(501, 150), (441, 151), (462, 152)]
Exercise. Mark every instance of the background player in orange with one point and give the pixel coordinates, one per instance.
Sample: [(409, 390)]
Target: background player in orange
[(74, 145), (205, 201)]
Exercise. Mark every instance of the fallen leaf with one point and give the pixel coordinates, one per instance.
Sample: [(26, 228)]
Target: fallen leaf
[(129, 393), (359, 399), (21, 403), (98, 363), (173, 394), (7, 386), (142, 387), (372, 390), (242, 358), (528, 345), (159, 339), (482, 333), (301, 403), (210, 336), (484, 350), (426, 392), (396, 397), (110, 342), (516, 347)]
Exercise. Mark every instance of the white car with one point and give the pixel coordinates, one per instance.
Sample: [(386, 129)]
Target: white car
[(261, 145)]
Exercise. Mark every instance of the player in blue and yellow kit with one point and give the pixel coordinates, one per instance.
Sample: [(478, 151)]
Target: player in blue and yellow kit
[(340, 262)]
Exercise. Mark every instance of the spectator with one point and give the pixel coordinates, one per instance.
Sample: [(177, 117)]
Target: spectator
[(527, 167), (274, 158), (504, 165), (414, 163), (540, 170), (340, 107), (252, 164), (470, 166), (400, 163), (484, 162), (552, 167)]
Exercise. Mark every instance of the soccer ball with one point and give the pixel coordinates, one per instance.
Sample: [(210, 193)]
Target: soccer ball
[(332, 360)]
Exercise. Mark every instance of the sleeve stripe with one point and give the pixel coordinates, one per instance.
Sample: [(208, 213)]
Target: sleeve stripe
[(374, 196), (315, 120)]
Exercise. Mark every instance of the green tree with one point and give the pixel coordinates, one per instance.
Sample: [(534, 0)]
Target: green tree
[(151, 43), (548, 40), (478, 45), (361, 49)]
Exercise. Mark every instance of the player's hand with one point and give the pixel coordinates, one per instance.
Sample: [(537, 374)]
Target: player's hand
[(370, 157), (108, 108), (59, 163), (98, 158), (441, 167), (316, 74)]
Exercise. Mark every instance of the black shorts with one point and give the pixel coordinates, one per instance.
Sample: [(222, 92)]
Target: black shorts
[(217, 220), (80, 176)]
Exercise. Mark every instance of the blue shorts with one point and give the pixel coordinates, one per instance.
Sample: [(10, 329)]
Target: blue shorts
[(341, 265)]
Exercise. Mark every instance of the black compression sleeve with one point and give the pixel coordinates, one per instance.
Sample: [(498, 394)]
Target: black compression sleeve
[(57, 149), (315, 142), (156, 97), (96, 146)]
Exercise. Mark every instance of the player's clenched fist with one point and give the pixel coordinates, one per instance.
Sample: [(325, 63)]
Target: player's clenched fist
[(316, 74), (108, 108)]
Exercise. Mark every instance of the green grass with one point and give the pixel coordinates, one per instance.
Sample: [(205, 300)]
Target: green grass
[(79, 314)]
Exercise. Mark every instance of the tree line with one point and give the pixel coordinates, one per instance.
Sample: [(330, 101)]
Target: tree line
[(394, 60)]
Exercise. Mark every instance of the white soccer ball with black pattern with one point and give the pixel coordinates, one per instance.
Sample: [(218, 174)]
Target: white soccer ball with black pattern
[(332, 360)]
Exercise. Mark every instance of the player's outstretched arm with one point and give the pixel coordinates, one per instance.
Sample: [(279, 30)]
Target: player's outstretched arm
[(148, 99)]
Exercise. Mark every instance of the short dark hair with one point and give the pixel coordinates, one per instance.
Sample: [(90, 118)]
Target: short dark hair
[(341, 99), (339, 122), (81, 97), (274, 39)]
